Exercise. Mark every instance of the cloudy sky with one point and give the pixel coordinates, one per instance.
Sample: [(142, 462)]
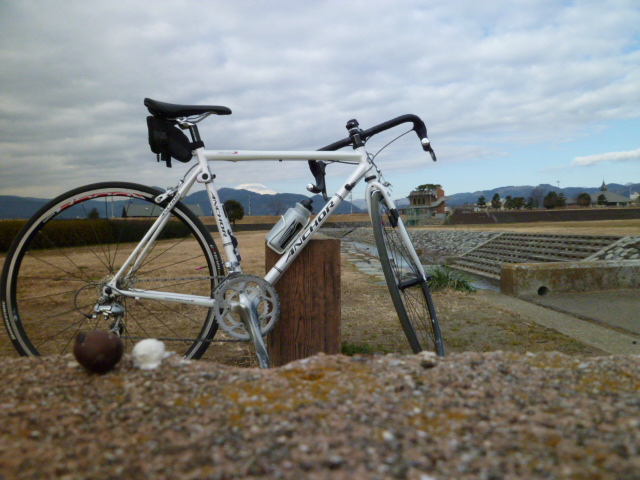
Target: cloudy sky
[(513, 93)]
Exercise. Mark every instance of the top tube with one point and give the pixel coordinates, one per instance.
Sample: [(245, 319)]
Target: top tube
[(256, 155)]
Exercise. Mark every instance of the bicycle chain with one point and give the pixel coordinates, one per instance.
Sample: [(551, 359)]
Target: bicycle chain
[(141, 280)]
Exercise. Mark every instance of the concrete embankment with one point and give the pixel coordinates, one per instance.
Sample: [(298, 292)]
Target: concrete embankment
[(445, 243), (605, 319)]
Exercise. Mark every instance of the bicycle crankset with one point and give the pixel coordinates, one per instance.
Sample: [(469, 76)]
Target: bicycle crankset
[(236, 296)]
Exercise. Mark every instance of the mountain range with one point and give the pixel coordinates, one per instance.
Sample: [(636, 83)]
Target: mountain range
[(254, 203), (458, 199), (13, 207)]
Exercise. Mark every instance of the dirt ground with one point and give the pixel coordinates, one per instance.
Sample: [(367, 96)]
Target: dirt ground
[(469, 322)]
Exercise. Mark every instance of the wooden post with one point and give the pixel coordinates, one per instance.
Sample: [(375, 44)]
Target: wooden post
[(309, 294)]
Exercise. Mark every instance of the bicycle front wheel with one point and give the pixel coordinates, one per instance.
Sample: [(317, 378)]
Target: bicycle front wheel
[(408, 287), (58, 265)]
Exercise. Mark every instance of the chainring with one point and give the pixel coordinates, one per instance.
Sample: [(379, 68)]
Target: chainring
[(260, 293)]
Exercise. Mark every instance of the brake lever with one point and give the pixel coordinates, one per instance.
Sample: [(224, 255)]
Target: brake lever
[(318, 170), (426, 146)]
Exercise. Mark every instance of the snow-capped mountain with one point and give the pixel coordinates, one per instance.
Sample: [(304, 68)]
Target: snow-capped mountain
[(257, 188)]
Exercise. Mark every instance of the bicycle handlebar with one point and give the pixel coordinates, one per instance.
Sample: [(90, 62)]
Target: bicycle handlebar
[(418, 127), (318, 167)]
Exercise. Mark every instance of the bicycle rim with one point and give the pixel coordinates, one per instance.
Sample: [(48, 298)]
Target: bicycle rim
[(408, 288), (56, 268)]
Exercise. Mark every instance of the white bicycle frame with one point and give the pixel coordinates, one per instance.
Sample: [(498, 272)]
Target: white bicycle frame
[(203, 174)]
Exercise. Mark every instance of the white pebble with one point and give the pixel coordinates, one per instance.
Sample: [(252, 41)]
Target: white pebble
[(149, 353)]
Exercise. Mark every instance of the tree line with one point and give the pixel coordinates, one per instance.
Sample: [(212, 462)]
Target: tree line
[(536, 200)]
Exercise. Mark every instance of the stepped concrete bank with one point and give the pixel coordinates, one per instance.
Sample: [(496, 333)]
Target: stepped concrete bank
[(433, 245), (487, 258), (528, 264), (450, 243)]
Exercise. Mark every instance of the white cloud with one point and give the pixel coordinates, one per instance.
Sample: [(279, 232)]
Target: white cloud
[(631, 156), (481, 74)]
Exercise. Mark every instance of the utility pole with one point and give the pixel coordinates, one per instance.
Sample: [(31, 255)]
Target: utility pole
[(249, 195)]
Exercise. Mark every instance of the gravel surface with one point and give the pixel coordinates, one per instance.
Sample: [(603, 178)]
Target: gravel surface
[(468, 416), (628, 248)]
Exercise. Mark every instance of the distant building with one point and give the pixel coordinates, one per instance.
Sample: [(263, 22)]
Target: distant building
[(424, 205), (468, 207), (610, 199), (153, 211)]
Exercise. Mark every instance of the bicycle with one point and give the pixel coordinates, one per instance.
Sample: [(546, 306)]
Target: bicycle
[(162, 276)]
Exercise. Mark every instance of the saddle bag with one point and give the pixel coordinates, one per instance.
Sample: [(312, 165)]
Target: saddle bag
[(167, 141)]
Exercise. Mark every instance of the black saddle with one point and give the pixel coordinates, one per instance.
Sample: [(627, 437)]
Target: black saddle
[(172, 110)]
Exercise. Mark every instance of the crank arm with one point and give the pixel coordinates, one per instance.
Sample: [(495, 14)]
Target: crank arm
[(249, 315)]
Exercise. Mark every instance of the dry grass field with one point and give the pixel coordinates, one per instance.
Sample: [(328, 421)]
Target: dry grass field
[(369, 323)]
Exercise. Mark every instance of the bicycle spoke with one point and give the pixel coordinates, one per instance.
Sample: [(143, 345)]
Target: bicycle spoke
[(49, 295), (41, 320), (31, 255), (69, 327), (162, 322), (163, 267), (407, 285), (149, 260), (97, 238)]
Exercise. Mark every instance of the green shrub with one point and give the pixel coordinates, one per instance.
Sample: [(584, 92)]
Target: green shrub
[(77, 232), (361, 349), (445, 277), (71, 233), (8, 231)]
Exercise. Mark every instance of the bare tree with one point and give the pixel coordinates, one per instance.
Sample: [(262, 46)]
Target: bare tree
[(537, 195), (278, 207)]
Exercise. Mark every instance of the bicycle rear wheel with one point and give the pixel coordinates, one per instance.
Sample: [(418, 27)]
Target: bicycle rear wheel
[(408, 287), (58, 264)]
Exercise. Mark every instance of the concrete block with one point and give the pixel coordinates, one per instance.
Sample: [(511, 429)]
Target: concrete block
[(523, 279)]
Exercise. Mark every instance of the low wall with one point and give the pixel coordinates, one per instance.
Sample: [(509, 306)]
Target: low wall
[(523, 279), (525, 216)]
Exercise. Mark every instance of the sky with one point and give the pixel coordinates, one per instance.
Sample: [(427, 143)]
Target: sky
[(512, 93)]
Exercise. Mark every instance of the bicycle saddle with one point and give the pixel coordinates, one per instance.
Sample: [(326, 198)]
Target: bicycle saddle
[(172, 110)]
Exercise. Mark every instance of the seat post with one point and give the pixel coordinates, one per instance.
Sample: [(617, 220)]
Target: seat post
[(195, 134)]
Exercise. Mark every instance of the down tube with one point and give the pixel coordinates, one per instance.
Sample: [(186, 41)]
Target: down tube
[(292, 252)]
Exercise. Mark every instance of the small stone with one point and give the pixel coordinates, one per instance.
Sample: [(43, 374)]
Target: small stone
[(427, 359), (335, 461), (388, 436)]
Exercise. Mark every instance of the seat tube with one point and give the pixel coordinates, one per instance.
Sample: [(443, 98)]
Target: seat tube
[(229, 242)]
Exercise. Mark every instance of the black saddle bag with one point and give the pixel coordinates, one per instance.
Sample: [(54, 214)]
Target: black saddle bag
[(167, 141)]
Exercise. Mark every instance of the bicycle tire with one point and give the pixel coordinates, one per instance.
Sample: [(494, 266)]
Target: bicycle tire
[(408, 288), (56, 265)]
